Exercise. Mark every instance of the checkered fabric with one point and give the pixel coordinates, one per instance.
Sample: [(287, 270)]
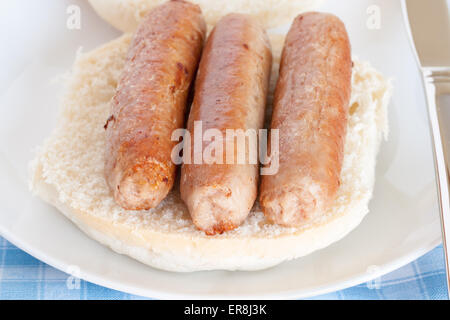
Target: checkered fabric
[(24, 277)]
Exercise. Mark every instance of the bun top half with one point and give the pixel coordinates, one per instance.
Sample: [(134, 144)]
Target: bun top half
[(126, 15)]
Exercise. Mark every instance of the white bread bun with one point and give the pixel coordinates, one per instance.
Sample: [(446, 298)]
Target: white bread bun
[(68, 173), (125, 15)]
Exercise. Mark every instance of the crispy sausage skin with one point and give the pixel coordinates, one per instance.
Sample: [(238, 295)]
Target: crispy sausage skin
[(310, 110), (150, 103), (230, 93)]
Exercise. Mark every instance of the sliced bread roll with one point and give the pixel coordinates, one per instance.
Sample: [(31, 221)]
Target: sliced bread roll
[(125, 15), (68, 173)]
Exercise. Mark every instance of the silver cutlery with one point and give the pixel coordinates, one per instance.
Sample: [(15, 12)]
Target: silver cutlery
[(427, 22)]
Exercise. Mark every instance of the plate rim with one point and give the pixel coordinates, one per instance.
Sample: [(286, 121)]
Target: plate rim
[(336, 285)]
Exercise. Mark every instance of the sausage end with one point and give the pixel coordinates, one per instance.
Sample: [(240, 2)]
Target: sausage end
[(143, 186), (214, 209), (293, 207)]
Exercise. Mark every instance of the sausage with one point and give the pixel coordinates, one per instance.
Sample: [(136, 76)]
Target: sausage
[(150, 103), (310, 111), (230, 93)]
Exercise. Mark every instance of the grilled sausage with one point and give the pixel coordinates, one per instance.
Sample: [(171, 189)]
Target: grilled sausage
[(310, 110), (150, 103), (230, 93)]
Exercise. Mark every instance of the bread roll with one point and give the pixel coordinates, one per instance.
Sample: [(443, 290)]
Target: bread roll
[(125, 15), (68, 173)]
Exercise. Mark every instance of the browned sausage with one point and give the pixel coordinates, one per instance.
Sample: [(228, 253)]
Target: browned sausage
[(150, 103), (230, 93), (310, 110)]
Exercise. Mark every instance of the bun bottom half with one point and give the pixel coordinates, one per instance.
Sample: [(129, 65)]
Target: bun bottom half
[(68, 173)]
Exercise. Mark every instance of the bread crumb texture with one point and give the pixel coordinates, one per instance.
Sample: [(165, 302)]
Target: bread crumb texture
[(70, 164)]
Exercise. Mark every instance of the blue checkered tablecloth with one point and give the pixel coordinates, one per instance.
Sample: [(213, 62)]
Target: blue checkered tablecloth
[(24, 277)]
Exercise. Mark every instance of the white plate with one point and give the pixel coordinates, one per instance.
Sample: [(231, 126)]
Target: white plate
[(402, 225)]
